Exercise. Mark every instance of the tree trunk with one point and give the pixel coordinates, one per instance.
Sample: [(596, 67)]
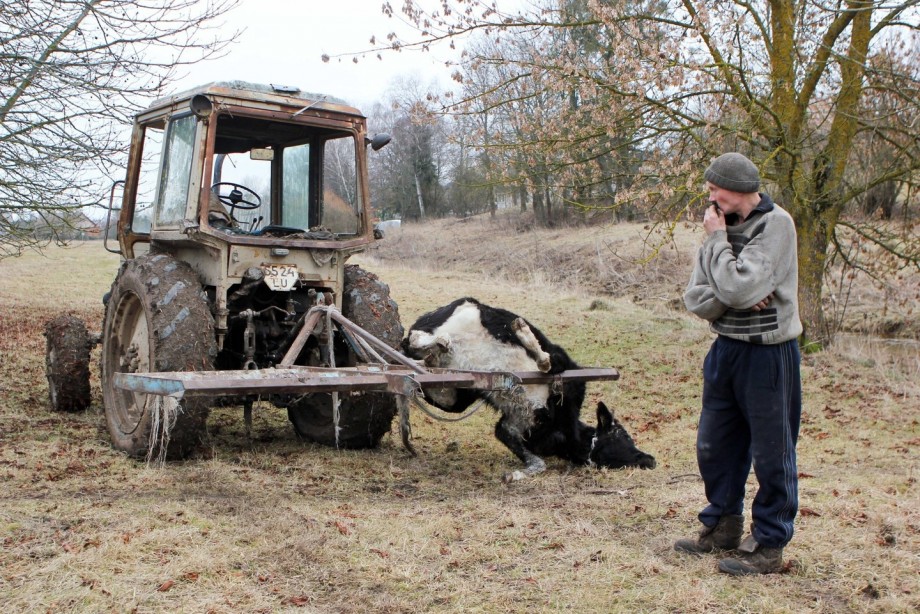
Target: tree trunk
[(421, 201), (493, 204), (537, 196), (813, 237)]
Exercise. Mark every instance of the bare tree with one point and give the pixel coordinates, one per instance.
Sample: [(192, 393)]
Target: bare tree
[(666, 85), (74, 72), (408, 175)]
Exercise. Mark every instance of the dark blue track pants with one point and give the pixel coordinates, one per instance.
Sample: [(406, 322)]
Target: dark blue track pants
[(752, 405)]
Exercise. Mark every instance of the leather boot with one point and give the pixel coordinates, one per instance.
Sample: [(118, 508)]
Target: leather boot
[(725, 535), (753, 558)]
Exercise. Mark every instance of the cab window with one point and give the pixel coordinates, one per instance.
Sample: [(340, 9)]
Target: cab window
[(296, 196), (175, 171), (340, 212), (297, 179)]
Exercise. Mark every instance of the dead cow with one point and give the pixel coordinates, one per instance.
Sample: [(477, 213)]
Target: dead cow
[(536, 420)]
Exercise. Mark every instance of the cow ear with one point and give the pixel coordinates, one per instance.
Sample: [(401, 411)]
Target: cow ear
[(604, 418)]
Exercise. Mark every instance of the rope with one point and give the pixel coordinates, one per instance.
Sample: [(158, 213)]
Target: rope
[(424, 407), (335, 393), (164, 413)]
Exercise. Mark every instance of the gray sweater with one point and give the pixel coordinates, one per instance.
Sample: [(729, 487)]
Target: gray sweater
[(737, 268)]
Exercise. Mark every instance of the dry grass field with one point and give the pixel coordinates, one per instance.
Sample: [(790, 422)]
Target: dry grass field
[(276, 525)]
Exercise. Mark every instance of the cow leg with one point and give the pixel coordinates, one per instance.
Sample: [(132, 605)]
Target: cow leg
[(529, 341), (513, 439)]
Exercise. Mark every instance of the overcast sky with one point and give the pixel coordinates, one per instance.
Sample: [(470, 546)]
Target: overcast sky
[(284, 40)]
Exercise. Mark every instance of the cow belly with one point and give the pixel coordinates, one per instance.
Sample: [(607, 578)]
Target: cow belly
[(472, 347)]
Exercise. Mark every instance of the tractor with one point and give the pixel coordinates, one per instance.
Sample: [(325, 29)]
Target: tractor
[(239, 210)]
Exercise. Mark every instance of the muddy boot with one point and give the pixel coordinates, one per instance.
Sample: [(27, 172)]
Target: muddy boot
[(753, 559), (725, 535)]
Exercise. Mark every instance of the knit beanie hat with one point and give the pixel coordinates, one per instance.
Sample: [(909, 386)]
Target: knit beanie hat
[(733, 171)]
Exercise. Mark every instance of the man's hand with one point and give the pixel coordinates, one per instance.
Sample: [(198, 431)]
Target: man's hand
[(713, 220), (763, 304)]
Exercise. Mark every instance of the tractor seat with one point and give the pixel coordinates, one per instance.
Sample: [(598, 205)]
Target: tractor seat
[(218, 216)]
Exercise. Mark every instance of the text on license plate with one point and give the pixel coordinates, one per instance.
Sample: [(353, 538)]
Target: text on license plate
[(280, 277)]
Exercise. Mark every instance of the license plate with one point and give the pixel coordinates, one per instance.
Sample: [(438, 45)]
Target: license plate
[(280, 277)]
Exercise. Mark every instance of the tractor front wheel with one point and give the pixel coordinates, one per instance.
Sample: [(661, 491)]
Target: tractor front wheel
[(157, 319)]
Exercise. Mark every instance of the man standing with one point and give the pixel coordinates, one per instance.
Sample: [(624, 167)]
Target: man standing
[(745, 284)]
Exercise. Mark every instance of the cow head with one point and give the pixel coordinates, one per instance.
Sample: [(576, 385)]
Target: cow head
[(433, 350), (613, 447)]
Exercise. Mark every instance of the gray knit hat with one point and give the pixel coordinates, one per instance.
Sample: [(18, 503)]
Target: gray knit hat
[(733, 171)]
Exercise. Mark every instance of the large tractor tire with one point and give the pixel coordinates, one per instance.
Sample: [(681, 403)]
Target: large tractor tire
[(67, 363), (157, 319), (364, 417)]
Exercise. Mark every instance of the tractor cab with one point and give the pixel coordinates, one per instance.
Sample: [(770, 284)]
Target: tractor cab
[(247, 164)]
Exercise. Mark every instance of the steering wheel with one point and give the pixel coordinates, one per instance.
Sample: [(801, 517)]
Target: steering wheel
[(236, 199)]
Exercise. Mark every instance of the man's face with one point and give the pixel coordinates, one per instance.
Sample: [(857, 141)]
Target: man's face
[(728, 201)]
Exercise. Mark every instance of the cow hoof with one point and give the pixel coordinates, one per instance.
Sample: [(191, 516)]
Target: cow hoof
[(535, 466)]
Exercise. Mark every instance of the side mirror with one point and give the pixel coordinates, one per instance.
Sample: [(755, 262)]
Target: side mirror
[(378, 141)]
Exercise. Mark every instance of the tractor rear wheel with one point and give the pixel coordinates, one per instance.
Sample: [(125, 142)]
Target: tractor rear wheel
[(157, 319), (364, 417), (67, 363)]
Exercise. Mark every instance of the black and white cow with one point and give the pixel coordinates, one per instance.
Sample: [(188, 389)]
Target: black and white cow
[(536, 420)]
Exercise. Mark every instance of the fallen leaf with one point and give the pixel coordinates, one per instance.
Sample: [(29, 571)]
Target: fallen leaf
[(165, 586), (297, 600), (807, 511)]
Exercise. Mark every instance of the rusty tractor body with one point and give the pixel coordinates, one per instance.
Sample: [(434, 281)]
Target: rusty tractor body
[(240, 207)]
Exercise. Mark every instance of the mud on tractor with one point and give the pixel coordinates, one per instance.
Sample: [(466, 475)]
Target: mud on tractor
[(240, 207)]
